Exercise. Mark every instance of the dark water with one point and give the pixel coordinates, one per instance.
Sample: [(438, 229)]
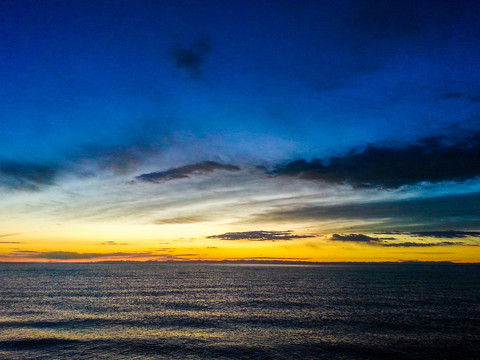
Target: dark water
[(207, 311)]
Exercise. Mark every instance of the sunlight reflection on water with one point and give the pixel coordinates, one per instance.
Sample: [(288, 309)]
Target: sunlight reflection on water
[(205, 311)]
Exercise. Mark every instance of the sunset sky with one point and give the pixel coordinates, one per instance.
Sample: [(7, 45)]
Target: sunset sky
[(261, 130)]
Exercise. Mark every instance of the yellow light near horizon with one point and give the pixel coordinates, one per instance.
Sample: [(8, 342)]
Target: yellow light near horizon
[(191, 241)]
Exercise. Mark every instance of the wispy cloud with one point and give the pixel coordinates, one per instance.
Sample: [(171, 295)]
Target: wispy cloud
[(449, 234), (27, 176), (436, 213), (260, 236), (416, 244), (181, 220), (186, 171), (365, 239), (72, 255), (361, 238), (7, 235)]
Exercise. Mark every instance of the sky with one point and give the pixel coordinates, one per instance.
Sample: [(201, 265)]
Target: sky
[(240, 130)]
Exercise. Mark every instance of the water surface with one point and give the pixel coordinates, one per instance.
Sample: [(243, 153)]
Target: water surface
[(225, 311)]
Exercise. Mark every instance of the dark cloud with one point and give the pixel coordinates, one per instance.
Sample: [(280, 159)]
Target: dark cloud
[(452, 95), (27, 176), (449, 234), (460, 95), (407, 19), (439, 213), (59, 255), (391, 233), (192, 58), (444, 234), (433, 159), (414, 244), (71, 255), (377, 19), (260, 236), (361, 238), (186, 171), (355, 238)]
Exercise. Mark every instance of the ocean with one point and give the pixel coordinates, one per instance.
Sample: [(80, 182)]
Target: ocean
[(154, 310)]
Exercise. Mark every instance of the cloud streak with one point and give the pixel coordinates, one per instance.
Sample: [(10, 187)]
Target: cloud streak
[(112, 243), (360, 238), (181, 220), (185, 172), (260, 235), (415, 244), (438, 213), (6, 235), (449, 234), (432, 160), (73, 255), (27, 176), (365, 239)]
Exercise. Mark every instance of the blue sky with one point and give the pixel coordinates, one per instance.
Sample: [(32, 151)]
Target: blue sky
[(324, 76), (103, 92)]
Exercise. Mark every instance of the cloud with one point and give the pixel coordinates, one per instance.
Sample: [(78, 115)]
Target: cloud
[(6, 235), (452, 95), (414, 244), (355, 238), (27, 176), (433, 160), (72, 255), (165, 249), (449, 234), (386, 18), (268, 258), (112, 243), (181, 220), (460, 96), (260, 236), (442, 213), (191, 59), (438, 213), (405, 19), (119, 159), (361, 238), (184, 172)]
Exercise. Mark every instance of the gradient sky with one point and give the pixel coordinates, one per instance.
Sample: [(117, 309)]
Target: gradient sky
[(299, 130)]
